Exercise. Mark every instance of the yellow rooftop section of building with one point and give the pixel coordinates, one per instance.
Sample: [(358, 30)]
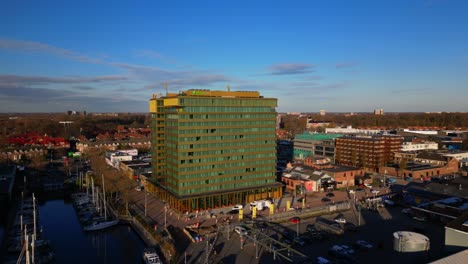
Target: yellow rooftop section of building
[(209, 93), (171, 99)]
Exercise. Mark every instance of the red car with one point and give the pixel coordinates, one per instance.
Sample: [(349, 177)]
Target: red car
[(295, 220)]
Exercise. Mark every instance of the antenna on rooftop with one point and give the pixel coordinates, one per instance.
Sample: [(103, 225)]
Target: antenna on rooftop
[(165, 86)]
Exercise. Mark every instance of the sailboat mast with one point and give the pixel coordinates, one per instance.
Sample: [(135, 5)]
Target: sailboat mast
[(104, 197), (34, 215), (21, 225), (87, 184), (32, 247), (98, 202), (26, 245), (92, 189)]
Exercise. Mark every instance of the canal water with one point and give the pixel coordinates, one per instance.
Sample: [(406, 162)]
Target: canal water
[(119, 244)]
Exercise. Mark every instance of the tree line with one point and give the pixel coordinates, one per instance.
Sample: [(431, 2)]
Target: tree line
[(298, 124), (88, 126), (398, 120)]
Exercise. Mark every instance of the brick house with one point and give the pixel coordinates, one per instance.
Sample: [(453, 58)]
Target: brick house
[(422, 171), (344, 175)]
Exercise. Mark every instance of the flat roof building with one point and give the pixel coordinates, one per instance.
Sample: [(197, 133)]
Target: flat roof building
[(213, 148), (305, 144), (369, 152)]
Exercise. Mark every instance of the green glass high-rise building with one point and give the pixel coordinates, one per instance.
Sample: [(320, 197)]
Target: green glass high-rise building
[(213, 148)]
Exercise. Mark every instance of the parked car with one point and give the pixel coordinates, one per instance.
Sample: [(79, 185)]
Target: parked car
[(261, 225), (241, 230), (233, 212), (299, 241), (330, 194), (322, 260), (359, 190), (237, 207), (406, 211), (317, 236), (286, 241), (347, 249), (340, 220), (362, 244), (389, 202), (420, 218), (325, 199), (311, 228), (341, 251), (295, 220), (350, 227)]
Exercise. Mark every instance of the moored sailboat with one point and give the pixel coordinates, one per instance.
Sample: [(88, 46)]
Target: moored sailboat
[(98, 225)]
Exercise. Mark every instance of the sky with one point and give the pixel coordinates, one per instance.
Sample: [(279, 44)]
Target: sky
[(339, 56)]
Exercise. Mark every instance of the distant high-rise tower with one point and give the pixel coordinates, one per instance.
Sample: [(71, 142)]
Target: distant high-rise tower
[(378, 111), (213, 148), (323, 112)]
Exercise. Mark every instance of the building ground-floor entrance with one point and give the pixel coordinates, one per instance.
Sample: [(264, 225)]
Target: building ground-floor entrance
[(214, 200)]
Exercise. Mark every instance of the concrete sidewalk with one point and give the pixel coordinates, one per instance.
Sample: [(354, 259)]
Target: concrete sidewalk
[(156, 210)]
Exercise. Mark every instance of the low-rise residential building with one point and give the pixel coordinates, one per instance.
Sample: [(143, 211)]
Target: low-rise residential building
[(351, 130), (410, 146), (315, 123), (344, 176), (133, 168), (433, 158), (421, 171), (404, 156), (459, 155), (304, 179), (318, 162), (113, 157)]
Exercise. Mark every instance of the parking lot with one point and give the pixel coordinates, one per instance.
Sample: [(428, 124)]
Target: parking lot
[(377, 228)]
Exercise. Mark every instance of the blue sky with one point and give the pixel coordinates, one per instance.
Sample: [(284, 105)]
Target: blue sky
[(341, 56)]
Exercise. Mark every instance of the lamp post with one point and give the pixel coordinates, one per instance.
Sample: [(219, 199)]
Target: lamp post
[(359, 215), (165, 215), (384, 178), (146, 202), (297, 228)]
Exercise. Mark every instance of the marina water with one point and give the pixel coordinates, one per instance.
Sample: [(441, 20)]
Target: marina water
[(60, 224)]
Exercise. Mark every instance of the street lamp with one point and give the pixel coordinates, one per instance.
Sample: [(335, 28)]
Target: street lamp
[(359, 215), (165, 215), (384, 178), (297, 228), (146, 194)]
